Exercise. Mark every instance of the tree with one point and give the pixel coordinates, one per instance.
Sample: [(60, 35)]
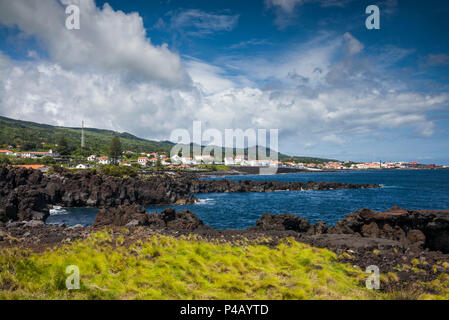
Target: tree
[(4, 160), (159, 164), (63, 147), (115, 150)]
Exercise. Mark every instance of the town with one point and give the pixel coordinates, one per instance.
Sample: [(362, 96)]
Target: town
[(162, 161)]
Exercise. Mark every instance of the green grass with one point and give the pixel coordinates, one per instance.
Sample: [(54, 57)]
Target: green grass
[(16, 132), (188, 268)]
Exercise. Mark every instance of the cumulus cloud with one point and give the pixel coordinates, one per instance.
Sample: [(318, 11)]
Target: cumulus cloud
[(208, 78), (320, 91), (108, 40)]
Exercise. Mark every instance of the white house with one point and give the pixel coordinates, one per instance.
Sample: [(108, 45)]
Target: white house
[(142, 161), (241, 159), (229, 161), (104, 160), (92, 158), (187, 160), (37, 154), (6, 152), (276, 164), (83, 166), (204, 159), (176, 159)]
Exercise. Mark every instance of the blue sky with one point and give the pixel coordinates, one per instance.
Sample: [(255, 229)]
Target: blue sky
[(309, 68)]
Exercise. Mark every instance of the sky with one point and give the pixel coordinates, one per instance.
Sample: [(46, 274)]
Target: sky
[(309, 68)]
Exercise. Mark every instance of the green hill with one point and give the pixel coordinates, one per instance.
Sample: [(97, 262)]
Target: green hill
[(32, 136)]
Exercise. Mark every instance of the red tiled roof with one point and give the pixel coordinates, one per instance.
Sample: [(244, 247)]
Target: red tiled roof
[(30, 166)]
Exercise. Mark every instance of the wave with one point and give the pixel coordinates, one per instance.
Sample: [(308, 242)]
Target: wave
[(205, 201), (58, 211)]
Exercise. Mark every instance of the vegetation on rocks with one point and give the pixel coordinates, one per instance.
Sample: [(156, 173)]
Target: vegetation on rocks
[(162, 267)]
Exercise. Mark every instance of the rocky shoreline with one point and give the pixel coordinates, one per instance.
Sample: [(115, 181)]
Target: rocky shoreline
[(27, 194), (413, 244)]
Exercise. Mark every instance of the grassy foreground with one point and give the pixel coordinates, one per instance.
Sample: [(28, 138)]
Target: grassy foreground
[(166, 268)]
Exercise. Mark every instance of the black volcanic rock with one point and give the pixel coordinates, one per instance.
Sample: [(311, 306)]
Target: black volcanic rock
[(412, 228), (136, 215), (27, 194), (283, 222)]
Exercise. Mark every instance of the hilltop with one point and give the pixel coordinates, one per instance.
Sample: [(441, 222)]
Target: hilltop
[(35, 136), (31, 135)]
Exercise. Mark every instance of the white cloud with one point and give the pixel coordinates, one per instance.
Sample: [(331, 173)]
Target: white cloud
[(333, 138), (286, 5), (354, 46), (200, 23), (209, 78), (315, 93), (108, 41), (285, 10)]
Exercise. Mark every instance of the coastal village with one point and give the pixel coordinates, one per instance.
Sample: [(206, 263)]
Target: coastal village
[(176, 162)]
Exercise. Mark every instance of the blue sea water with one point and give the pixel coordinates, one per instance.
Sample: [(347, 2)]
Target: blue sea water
[(411, 189)]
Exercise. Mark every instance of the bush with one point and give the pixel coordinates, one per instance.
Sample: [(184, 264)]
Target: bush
[(118, 171)]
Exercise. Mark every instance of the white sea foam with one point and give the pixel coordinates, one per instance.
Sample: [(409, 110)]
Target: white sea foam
[(204, 201), (56, 211)]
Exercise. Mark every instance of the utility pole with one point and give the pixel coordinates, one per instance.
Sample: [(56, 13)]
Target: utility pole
[(82, 135)]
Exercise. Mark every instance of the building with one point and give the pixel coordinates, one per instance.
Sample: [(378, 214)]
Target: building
[(176, 159), (240, 159), (83, 166), (229, 161), (36, 154), (6, 153), (276, 164), (92, 158), (187, 161), (39, 167), (104, 160), (142, 161), (204, 159)]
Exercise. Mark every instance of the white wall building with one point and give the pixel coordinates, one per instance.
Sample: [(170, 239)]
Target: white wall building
[(83, 166), (229, 161), (104, 160), (204, 159), (241, 159), (142, 161), (6, 152), (187, 160)]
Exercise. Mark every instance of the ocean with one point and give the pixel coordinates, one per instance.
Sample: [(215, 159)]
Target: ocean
[(411, 189)]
